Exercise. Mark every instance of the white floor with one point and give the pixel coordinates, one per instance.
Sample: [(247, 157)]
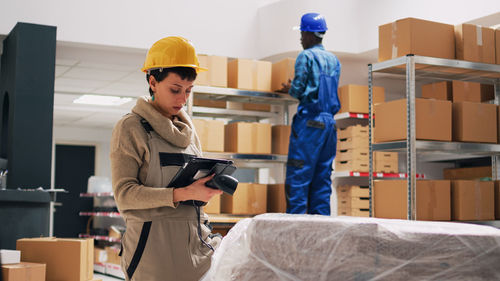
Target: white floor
[(106, 277)]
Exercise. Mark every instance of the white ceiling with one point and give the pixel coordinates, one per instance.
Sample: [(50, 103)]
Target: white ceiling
[(85, 69)]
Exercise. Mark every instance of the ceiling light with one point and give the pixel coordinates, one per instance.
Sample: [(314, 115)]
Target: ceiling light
[(101, 100)]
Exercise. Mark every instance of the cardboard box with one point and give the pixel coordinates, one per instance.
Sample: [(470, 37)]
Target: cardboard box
[(261, 138), (471, 173), (351, 154), (100, 255), (213, 205), (353, 212), (497, 46), (24, 271), (10, 256), (471, 91), (474, 122), (210, 133), (356, 131), (385, 167), (113, 255), (497, 200), (472, 200), (282, 71), (248, 199), (385, 156), (354, 98), (347, 191), (354, 203), (352, 165), (280, 138), (256, 106), (352, 143), (439, 91), (433, 199), (216, 75), (209, 103), (475, 43), (249, 74), (66, 259), (412, 36), (433, 120), (238, 137), (276, 198)]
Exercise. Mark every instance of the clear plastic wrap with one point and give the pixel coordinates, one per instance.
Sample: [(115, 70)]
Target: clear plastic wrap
[(320, 248)]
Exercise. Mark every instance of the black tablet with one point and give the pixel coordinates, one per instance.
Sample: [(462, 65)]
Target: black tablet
[(198, 168)]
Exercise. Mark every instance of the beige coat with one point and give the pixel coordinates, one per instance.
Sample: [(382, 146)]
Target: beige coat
[(161, 241)]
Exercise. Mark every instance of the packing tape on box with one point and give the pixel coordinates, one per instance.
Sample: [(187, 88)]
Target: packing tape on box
[(477, 200), (393, 41), (479, 35)]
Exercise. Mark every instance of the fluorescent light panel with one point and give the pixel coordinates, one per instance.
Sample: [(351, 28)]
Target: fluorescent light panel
[(101, 100)]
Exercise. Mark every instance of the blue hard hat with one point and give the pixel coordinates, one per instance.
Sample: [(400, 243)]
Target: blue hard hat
[(313, 22)]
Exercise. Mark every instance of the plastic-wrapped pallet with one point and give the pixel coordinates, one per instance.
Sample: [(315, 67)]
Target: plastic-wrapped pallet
[(310, 247)]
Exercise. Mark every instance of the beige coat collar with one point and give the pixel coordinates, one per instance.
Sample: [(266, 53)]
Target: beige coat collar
[(178, 132)]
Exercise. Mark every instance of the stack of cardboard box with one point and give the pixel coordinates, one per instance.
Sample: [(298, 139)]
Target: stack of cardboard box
[(353, 201), (15, 270), (352, 149)]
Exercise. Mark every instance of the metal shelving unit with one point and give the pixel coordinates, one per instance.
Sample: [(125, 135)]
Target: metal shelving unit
[(237, 95), (432, 69)]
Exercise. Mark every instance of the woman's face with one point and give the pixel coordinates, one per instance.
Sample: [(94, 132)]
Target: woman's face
[(171, 94)]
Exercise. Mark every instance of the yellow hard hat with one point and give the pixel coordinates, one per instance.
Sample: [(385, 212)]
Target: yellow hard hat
[(172, 51)]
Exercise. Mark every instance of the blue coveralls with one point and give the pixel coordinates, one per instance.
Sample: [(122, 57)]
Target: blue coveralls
[(313, 141)]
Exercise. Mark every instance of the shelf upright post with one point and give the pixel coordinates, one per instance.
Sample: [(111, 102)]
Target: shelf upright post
[(370, 124), (495, 159), (410, 136)]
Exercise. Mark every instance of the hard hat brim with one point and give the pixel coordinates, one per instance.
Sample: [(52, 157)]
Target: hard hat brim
[(197, 68)]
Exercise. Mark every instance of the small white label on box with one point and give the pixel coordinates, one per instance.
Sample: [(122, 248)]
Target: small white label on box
[(10, 256)]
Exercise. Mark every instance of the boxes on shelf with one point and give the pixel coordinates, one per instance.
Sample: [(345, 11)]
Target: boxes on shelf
[(472, 200), (280, 138), (385, 162), (354, 203), (433, 120), (412, 36), (249, 74), (497, 200), (248, 199), (100, 255), (474, 122), (24, 271), (282, 71), (354, 153), (354, 98), (276, 198), (246, 137), (112, 255), (66, 259), (353, 212), (475, 43), (497, 46), (209, 103), (352, 142), (351, 165), (346, 191), (213, 205), (211, 134), (470, 173), (439, 90), (356, 131), (433, 199), (471, 91), (216, 75)]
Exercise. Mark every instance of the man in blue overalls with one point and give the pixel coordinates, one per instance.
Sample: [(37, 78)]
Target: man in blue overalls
[(313, 140)]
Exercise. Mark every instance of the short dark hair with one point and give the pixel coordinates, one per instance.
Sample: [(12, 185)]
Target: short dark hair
[(186, 73)]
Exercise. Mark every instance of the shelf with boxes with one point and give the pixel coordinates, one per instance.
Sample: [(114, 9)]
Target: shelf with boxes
[(440, 126), (227, 96)]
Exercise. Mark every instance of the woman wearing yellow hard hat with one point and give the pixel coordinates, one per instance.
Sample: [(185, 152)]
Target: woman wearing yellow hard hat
[(164, 239)]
